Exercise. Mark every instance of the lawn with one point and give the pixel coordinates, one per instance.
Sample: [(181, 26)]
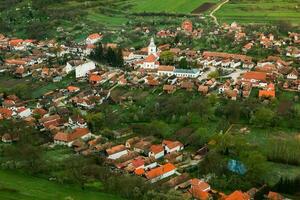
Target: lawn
[(15, 186), (263, 11)]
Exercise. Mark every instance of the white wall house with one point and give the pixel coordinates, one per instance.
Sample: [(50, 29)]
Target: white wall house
[(84, 69), (156, 151), (188, 73), (93, 38), (116, 152), (67, 139), (24, 112), (68, 68), (172, 146), (161, 172)]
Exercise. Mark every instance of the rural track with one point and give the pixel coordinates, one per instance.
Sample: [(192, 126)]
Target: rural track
[(215, 10)]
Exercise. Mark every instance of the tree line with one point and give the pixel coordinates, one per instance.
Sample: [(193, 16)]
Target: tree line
[(110, 56)]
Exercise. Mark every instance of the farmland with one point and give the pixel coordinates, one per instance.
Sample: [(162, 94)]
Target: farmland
[(263, 11), (15, 186), (184, 6)]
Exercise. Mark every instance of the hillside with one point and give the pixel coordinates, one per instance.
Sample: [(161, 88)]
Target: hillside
[(260, 11), (19, 186), (69, 19)]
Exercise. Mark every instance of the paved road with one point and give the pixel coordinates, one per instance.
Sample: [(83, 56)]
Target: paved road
[(235, 75), (215, 10), (205, 74)]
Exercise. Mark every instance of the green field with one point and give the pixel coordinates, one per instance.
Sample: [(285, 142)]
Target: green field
[(263, 139), (176, 6), (260, 11), (15, 186)]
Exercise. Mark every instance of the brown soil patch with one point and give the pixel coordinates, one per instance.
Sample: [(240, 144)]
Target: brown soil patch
[(203, 8)]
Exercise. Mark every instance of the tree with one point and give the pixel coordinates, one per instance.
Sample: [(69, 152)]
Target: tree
[(214, 74), (263, 117), (166, 57), (255, 164), (183, 64), (98, 53), (95, 121)]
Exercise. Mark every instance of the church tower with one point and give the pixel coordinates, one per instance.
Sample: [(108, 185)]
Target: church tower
[(152, 47)]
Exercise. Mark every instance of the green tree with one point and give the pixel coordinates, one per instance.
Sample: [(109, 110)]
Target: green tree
[(95, 121), (214, 74), (263, 117), (166, 58), (183, 64)]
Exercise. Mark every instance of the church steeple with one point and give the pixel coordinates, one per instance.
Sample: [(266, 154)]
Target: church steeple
[(152, 47)]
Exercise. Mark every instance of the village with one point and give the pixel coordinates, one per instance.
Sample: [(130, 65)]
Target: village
[(90, 83)]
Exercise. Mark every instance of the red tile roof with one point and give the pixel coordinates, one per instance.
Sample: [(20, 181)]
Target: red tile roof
[(166, 68), (207, 54), (115, 149), (274, 196), (73, 88), (156, 172), (172, 144), (95, 78), (156, 149), (150, 58), (238, 195), (69, 137), (94, 36), (5, 112), (261, 76), (15, 42), (15, 62)]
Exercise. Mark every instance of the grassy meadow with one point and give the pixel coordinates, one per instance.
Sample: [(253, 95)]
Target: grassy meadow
[(260, 11), (15, 186)]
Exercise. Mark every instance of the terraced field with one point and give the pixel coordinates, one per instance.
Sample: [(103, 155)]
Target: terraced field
[(260, 11)]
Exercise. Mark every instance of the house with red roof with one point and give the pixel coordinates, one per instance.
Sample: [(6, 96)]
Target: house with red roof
[(165, 70), (116, 152), (187, 26), (161, 172), (23, 112), (199, 189), (267, 92), (95, 79), (6, 113), (93, 38), (73, 89), (64, 138), (274, 196), (238, 195), (156, 151), (150, 62), (257, 79), (172, 146)]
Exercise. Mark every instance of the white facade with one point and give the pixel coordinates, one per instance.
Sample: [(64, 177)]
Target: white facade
[(84, 69), (175, 149), (150, 65), (117, 155), (193, 73), (165, 175), (292, 76), (165, 73), (25, 113), (157, 155), (68, 68), (150, 166)]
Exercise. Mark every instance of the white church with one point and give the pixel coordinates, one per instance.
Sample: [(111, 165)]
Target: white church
[(151, 61)]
